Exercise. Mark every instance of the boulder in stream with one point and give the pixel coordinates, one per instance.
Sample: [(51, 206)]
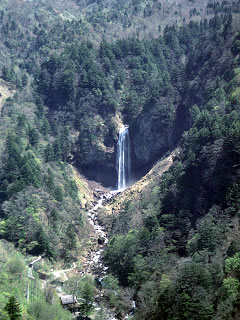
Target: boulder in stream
[(120, 315), (98, 282), (101, 240)]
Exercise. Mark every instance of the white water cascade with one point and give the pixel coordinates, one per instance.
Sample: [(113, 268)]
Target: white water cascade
[(123, 158)]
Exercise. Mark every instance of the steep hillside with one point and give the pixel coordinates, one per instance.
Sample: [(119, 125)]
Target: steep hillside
[(111, 19), (134, 192), (22, 296), (177, 241), (41, 204), (72, 73), (93, 89)]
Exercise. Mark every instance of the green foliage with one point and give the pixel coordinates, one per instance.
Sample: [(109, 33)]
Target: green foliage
[(232, 197), (233, 264), (233, 248), (16, 266), (68, 93), (87, 288), (58, 193), (13, 309), (191, 275), (197, 307), (13, 282), (39, 309), (84, 289), (114, 292), (4, 315), (207, 236), (20, 170), (187, 214), (231, 286), (140, 272), (236, 45), (120, 255)]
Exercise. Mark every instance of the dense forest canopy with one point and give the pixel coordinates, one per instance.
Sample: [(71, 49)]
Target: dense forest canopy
[(71, 75)]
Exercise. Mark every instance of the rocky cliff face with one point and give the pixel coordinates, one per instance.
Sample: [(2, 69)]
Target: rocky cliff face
[(100, 168), (97, 161), (95, 152), (156, 131)]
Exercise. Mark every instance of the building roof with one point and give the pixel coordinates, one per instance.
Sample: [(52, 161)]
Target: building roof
[(68, 299)]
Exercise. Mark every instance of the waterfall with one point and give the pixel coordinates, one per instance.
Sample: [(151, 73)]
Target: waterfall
[(123, 158)]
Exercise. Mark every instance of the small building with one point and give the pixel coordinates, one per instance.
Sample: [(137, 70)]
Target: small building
[(70, 303)]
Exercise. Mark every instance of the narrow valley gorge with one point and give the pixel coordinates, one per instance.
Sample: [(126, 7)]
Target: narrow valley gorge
[(119, 160)]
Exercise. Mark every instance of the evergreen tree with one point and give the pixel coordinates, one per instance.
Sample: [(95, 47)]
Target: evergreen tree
[(13, 308)]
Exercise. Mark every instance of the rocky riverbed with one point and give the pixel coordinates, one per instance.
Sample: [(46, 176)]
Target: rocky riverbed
[(94, 262)]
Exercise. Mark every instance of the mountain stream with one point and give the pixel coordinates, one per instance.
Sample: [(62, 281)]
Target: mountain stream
[(93, 265), (95, 257)]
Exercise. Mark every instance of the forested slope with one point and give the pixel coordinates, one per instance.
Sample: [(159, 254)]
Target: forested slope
[(177, 244), (66, 90), (20, 296)]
